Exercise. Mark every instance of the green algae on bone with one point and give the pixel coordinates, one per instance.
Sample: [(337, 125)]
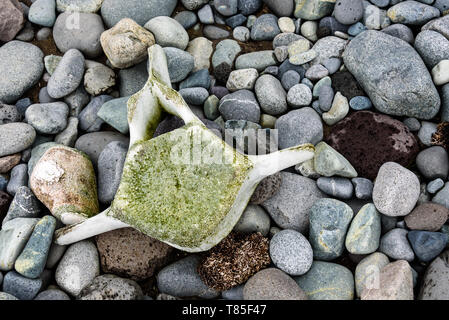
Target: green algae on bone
[(179, 203), (189, 204)]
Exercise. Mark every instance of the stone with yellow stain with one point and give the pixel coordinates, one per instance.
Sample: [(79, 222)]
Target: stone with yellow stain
[(364, 233), (64, 181), (126, 43), (329, 221), (327, 281), (313, 9), (33, 258)]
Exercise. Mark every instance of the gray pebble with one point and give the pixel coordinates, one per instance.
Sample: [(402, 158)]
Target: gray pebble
[(291, 252), (395, 245), (400, 31), (241, 33), (24, 205), (435, 185), (111, 287), (21, 287), (363, 188), (240, 105), (88, 118), (299, 96), (18, 178), (206, 15), (271, 95), (186, 18), (48, 118), (433, 163), (52, 294), (326, 97), (253, 219), (432, 46), (337, 187), (413, 124), (179, 62), (215, 33), (9, 113), (196, 96), (235, 293), (258, 60), (426, 132), (290, 79)]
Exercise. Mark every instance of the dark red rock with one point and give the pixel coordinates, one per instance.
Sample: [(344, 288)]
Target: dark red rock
[(345, 83), (427, 216), (5, 200), (11, 19), (369, 139)]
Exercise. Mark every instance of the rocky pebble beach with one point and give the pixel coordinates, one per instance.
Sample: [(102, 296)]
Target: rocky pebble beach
[(365, 82)]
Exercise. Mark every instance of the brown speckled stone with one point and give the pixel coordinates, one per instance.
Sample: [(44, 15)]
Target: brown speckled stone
[(345, 83), (428, 216), (130, 253), (9, 162), (267, 188), (368, 140), (272, 284)]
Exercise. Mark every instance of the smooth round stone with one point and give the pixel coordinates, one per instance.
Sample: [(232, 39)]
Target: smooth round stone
[(281, 53), (168, 32), (115, 113), (338, 110), (327, 281), (113, 11), (21, 287), (288, 38), (211, 108), (372, 55), (24, 63), (48, 118), (395, 282), (179, 63), (368, 270), (226, 7), (78, 267), (241, 33), (412, 12), (272, 284), (200, 78), (181, 279), (290, 79), (42, 12), (340, 188), (426, 132), (195, 96), (31, 262), (299, 127), (77, 100), (15, 137), (348, 11), (225, 52), (133, 79), (93, 143), (435, 185), (290, 206), (309, 30), (52, 294), (271, 95), (442, 197), (110, 167), (111, 287), (432, 47), (363, 188), (99, 79), (328, 162), (356, 29), (313, 9), (265, 28), (299, 96), (80, 31), (291, 252), (215, 33), (193, 4), (253, 219), (413, 124), (427, 245), (248, 7), (242, 79), (44, 97), (67, 75), (433, 163), (187, 19), (360, 103), (325, 82), (240, 105), (235, 21), (286, 24), (17, 179), (364, 233), (400, 31), (329, 221), (332, 65), (281, 8), (206, 15), (395, 245), (316, 72), (435, 285), (396, 190), (326, 97), (369, 139), (440, 73), (258, 60), (329, 26), (88, 118), (24, 205)]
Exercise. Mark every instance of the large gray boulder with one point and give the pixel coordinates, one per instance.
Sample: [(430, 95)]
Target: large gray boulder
[(393, 75)]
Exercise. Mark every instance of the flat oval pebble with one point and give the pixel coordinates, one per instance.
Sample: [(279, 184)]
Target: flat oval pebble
[(327, 281)]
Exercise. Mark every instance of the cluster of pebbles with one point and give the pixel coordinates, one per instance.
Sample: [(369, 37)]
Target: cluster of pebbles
[(366, 82)]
